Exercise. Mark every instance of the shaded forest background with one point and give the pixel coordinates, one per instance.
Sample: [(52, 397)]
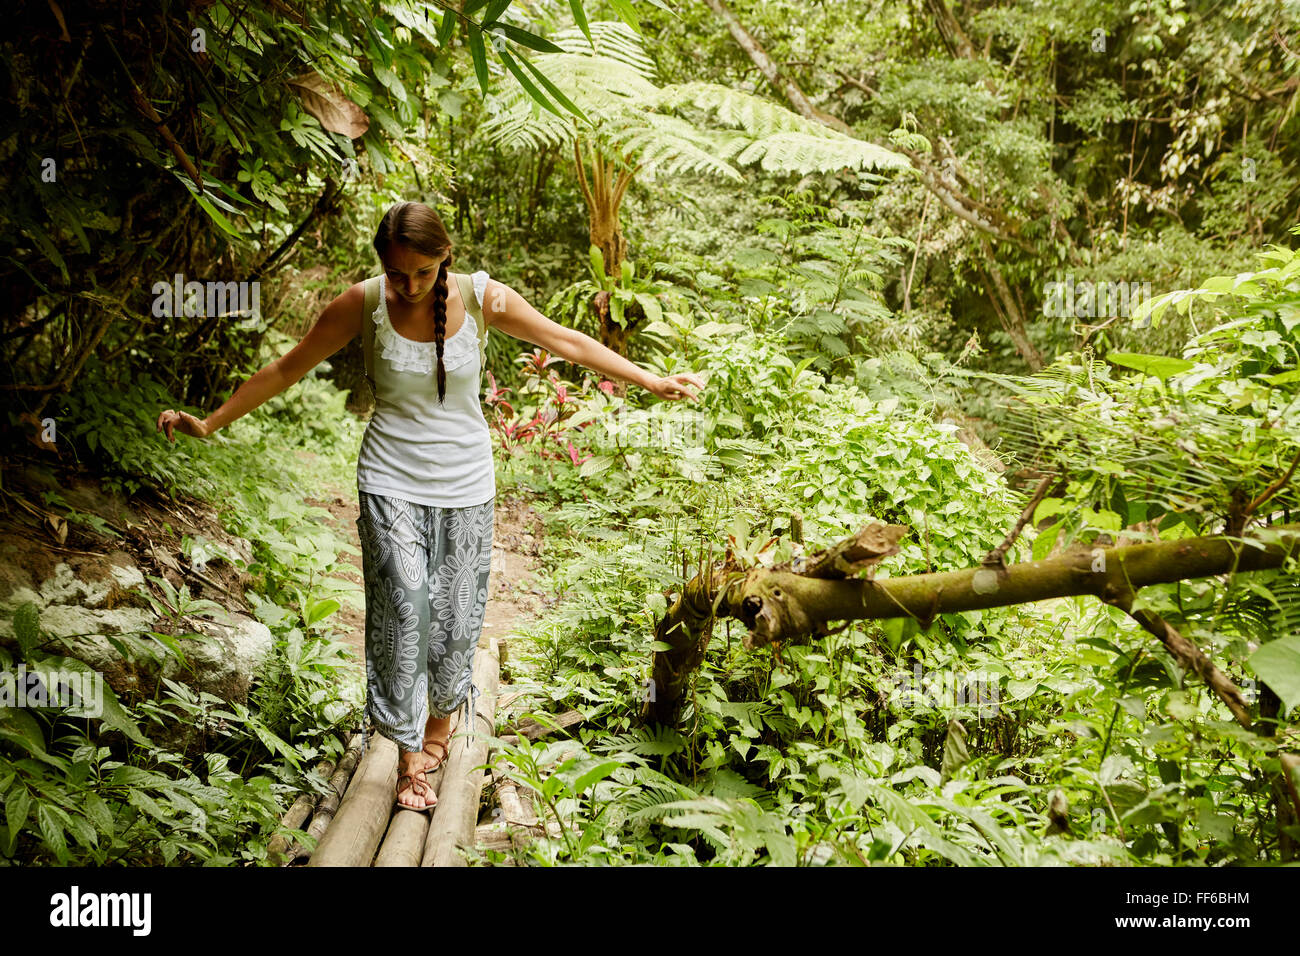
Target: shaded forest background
[(910, 241)]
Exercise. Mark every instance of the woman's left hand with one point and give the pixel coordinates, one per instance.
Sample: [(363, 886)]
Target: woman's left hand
[(676, 387)]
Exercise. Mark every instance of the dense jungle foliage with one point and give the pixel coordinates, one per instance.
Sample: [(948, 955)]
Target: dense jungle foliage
[(927, 255)]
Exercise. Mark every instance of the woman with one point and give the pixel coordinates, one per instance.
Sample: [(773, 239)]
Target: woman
[(425, 476)]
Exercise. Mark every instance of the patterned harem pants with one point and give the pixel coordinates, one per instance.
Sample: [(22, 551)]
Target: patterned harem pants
[(426, 583)]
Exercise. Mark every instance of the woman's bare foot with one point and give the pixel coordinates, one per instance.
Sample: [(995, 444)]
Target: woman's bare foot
[(414, 792)]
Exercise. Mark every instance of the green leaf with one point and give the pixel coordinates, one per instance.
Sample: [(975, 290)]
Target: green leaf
[(272, 742), (594, 466), (597, 264), (625, 12), (1045, 540), (42, 239), (52, 832), (580, 18), (320, 610), (27, 627), (142, 801), (479, 54), (494, 10), (17, 804), (908, 816), (1159, 366), (955, 754), (447, 28), (206, 205), (523, 37), (1278, 665), (19, 726), (595, 774), (898, 629), (556, 92), (1217, 284), (527, 84), (552, 786), (781, 847), (98, 812), (112, 714)]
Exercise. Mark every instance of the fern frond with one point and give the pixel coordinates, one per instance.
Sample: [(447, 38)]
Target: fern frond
[(728, 785), (810, 152), (781, 140), (660, 741), (605, 89), (610, 39), (657, 793), (670, 145), (755, 115)]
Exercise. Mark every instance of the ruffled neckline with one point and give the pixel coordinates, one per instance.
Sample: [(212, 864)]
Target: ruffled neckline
[(408, 355)]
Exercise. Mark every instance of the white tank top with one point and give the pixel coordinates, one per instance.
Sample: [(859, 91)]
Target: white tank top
[(414, 448)]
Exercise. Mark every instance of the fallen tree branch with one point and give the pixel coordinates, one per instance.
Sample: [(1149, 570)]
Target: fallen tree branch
[(1188, 655), (783, 605)]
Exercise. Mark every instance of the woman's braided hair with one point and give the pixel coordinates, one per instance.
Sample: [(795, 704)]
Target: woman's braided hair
[(416, 226)]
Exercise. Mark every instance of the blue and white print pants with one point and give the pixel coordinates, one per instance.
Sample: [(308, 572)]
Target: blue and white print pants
[(426, 572)]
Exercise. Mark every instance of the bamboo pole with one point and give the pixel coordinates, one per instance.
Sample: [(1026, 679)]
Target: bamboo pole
[(514, 809), (456, 815), (277, 850), (403, 844), (328, 803), (363, 815)]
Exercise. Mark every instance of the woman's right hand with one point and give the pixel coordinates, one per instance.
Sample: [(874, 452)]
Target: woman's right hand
[(183, 422)]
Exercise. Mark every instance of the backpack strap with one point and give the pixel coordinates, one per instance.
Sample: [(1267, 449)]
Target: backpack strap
[(470, 301), (371, 288)]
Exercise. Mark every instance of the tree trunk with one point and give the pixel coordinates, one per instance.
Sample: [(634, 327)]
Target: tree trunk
[(954, 37), (1282, 787), (785, 86), (1013, 321)]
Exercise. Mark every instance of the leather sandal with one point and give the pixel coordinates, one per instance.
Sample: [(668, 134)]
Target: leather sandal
[(424, 791), (446, 752)]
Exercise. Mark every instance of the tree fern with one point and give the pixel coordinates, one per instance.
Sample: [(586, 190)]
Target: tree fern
[(613, 83)]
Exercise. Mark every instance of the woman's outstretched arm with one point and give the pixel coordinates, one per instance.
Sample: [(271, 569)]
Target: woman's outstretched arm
[(338, 324), (506, 310)]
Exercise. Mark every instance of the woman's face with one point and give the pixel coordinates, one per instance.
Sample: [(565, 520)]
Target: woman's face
[(410, 273)]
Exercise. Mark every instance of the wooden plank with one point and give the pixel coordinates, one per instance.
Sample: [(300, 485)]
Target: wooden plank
[(457, 812), (353, 837)]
